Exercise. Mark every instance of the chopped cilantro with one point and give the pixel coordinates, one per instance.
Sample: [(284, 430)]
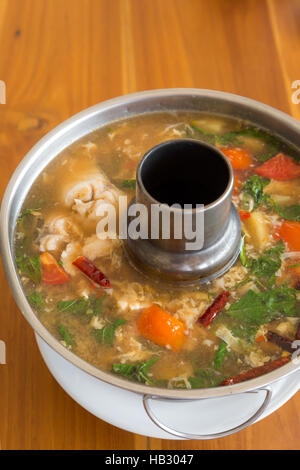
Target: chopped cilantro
[(36, 300), (257, 308), (30, 266), (138, 371), (65, 334), (91, 306), (130, 184), (206, 378), (267, 264), (220, 355), (106, 334)]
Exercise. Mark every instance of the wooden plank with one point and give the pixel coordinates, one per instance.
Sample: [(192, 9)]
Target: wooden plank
[(60, 56)]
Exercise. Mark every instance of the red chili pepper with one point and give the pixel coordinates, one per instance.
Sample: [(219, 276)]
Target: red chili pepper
[(214, 309), (256, 371), (92, 272), (244, 215), (281, 341)]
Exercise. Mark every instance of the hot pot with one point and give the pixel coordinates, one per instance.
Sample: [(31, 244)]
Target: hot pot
[(80, 125)]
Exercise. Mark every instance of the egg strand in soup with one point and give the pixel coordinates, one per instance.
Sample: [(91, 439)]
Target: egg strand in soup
[(82, 288)]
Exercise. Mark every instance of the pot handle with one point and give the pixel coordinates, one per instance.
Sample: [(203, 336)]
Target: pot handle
[(185, 435)]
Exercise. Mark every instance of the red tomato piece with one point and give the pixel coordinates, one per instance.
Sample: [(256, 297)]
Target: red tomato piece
[(290, 234), (281, 167), (52, 272), (240, 159)]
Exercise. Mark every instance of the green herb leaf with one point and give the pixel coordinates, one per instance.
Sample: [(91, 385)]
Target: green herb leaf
[(281, 301), (288, 212), (73, 306), (126, 370), (243, 256), (206, 136), (242, 283), (136, 372), (91, 306), (36, 300), (229, 138), (245, 332), (65, 334), (220, 355), (206, 378), (263, 157), (96, 305), (267, 138), (266, 265), (130, 184), (234, 138), (30, 266), (254, 187), (256, 308), (249, 309), (106, 335), (23, 215)]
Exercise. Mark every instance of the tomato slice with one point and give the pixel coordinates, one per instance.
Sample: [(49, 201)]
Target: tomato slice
[(281, 167), (52, 273), (290, 233), (240, 159)]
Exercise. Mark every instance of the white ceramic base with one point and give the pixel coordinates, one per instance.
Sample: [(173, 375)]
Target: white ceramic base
[(125, 409)]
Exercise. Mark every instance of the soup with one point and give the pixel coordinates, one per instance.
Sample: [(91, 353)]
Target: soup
[(89, 297)]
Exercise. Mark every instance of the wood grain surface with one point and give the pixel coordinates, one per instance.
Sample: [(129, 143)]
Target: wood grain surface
[(60, 56)]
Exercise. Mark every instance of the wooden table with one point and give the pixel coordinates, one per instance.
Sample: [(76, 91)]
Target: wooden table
[(60, 56)]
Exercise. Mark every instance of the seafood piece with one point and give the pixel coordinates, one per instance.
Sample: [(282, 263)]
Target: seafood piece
[(94, 247), (52, 242), (70, 253), (61, 230), (86, 197), (65, 226)]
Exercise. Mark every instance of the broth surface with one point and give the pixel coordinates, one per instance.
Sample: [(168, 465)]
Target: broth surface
[(104, 326)]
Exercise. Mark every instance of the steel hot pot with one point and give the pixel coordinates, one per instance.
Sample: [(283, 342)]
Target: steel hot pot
[(80, 125)]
